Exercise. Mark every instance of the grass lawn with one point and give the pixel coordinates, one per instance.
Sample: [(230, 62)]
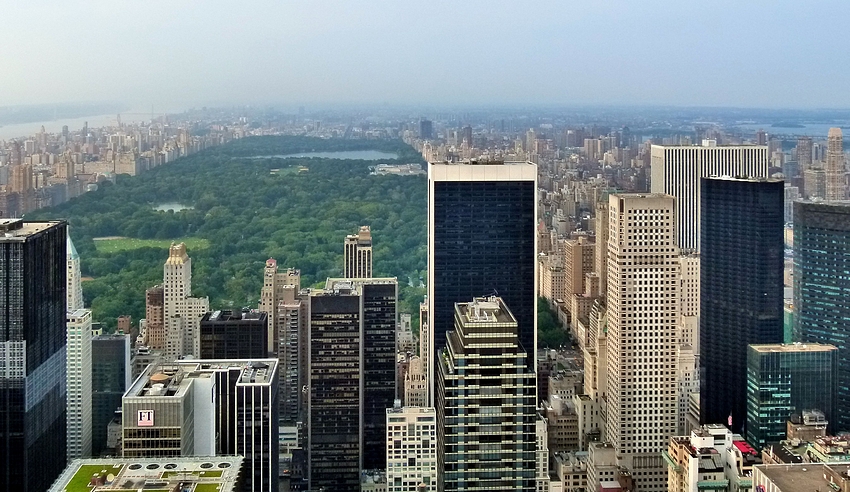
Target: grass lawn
[(201, 473), (116, 244), (207, 487), (80, 481)]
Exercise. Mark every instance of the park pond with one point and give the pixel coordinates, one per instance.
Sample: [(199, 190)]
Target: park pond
[(361, 155)]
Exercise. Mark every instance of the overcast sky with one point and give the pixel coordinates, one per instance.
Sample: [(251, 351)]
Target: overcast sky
[(191, 52)]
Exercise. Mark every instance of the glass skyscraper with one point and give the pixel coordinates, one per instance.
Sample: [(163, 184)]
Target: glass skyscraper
[(786, 379), (33, 284), (481, 242), (822, 288), (741, 288)]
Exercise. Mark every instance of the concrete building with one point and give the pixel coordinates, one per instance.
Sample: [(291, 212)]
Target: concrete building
[(483, 367), (807, 425), (234, 335), (802, 476), (286, 310), (603, 471), (835, 180), (79, 384), (352, 378), (642, 320), (710, 458), (404, 335), (152, 328), (218, 473), (33, 330), (110, 378), (207, 408), (358, 254), (578, 262), (481, 239), (182, 313), (543, 480), (741, 288), (786, 379), (676, 170), (822, 288), (411, 449), (415, 385)]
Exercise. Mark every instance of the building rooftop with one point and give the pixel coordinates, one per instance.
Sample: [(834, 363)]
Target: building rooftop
[(173, 379), (749, 179), (198, 474), (800, 477), (485, 310), (793, 347), (17, 230)]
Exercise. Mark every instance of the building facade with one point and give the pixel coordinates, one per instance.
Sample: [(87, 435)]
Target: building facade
[(411, 449), (741, 288), (181, 312), (358, 254), (822, 288), (79, 384), (642, 327), (234, 335), (33, 283), (486, 416), (835, 180), (481, 241), (786, 379), (676, 170), (110, 378)]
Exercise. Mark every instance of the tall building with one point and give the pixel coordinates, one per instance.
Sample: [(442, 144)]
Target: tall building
[(601, 253), (352, 375), (426, 129), (481, 241), (787, 379), (154, 322), (75, 287), (642, 328), (207, 408), (411, 449), (79, 384), (286, 309), (234, 335), (358, 254), (804, 153), (33, 283), (835, 165), (486, 415), (741, 288), (677, 171), (110, 378), (822, 288), (181, 312)]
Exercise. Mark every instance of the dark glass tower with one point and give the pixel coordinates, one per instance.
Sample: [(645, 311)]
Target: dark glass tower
[(110, 379), (481, 242), (234, 335), (352, 379), (741, 288), (786, 379), (822, 288), (32, 353)]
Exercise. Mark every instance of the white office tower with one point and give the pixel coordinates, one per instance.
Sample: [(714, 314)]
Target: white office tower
[(676, 170), (75, 287), (182, 313), (642, 326), (79, 380), (358, 254), (411, 449), (687, 352), (542, 448)]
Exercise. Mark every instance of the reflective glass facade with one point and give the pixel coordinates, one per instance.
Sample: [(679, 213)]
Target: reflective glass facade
[(786, 379), (741, 288), (822, 288), (32, 354)]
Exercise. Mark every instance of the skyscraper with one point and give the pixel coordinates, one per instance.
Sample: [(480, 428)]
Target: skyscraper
[(110, 379), (804, 153), (181, 312), (642, 328), (352, 378), (835, 165), (741, 288), (486, 402), (33, 283), (822, 288), (79, 384), (234, 335), (358, 254), (677, 171), (481, 241), (75, 288), (786, 379), (426, 129)]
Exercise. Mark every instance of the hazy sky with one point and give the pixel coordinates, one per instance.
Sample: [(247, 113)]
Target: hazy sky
[(189, 52)]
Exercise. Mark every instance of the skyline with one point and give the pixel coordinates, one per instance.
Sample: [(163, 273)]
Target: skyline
[(723, 55)]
